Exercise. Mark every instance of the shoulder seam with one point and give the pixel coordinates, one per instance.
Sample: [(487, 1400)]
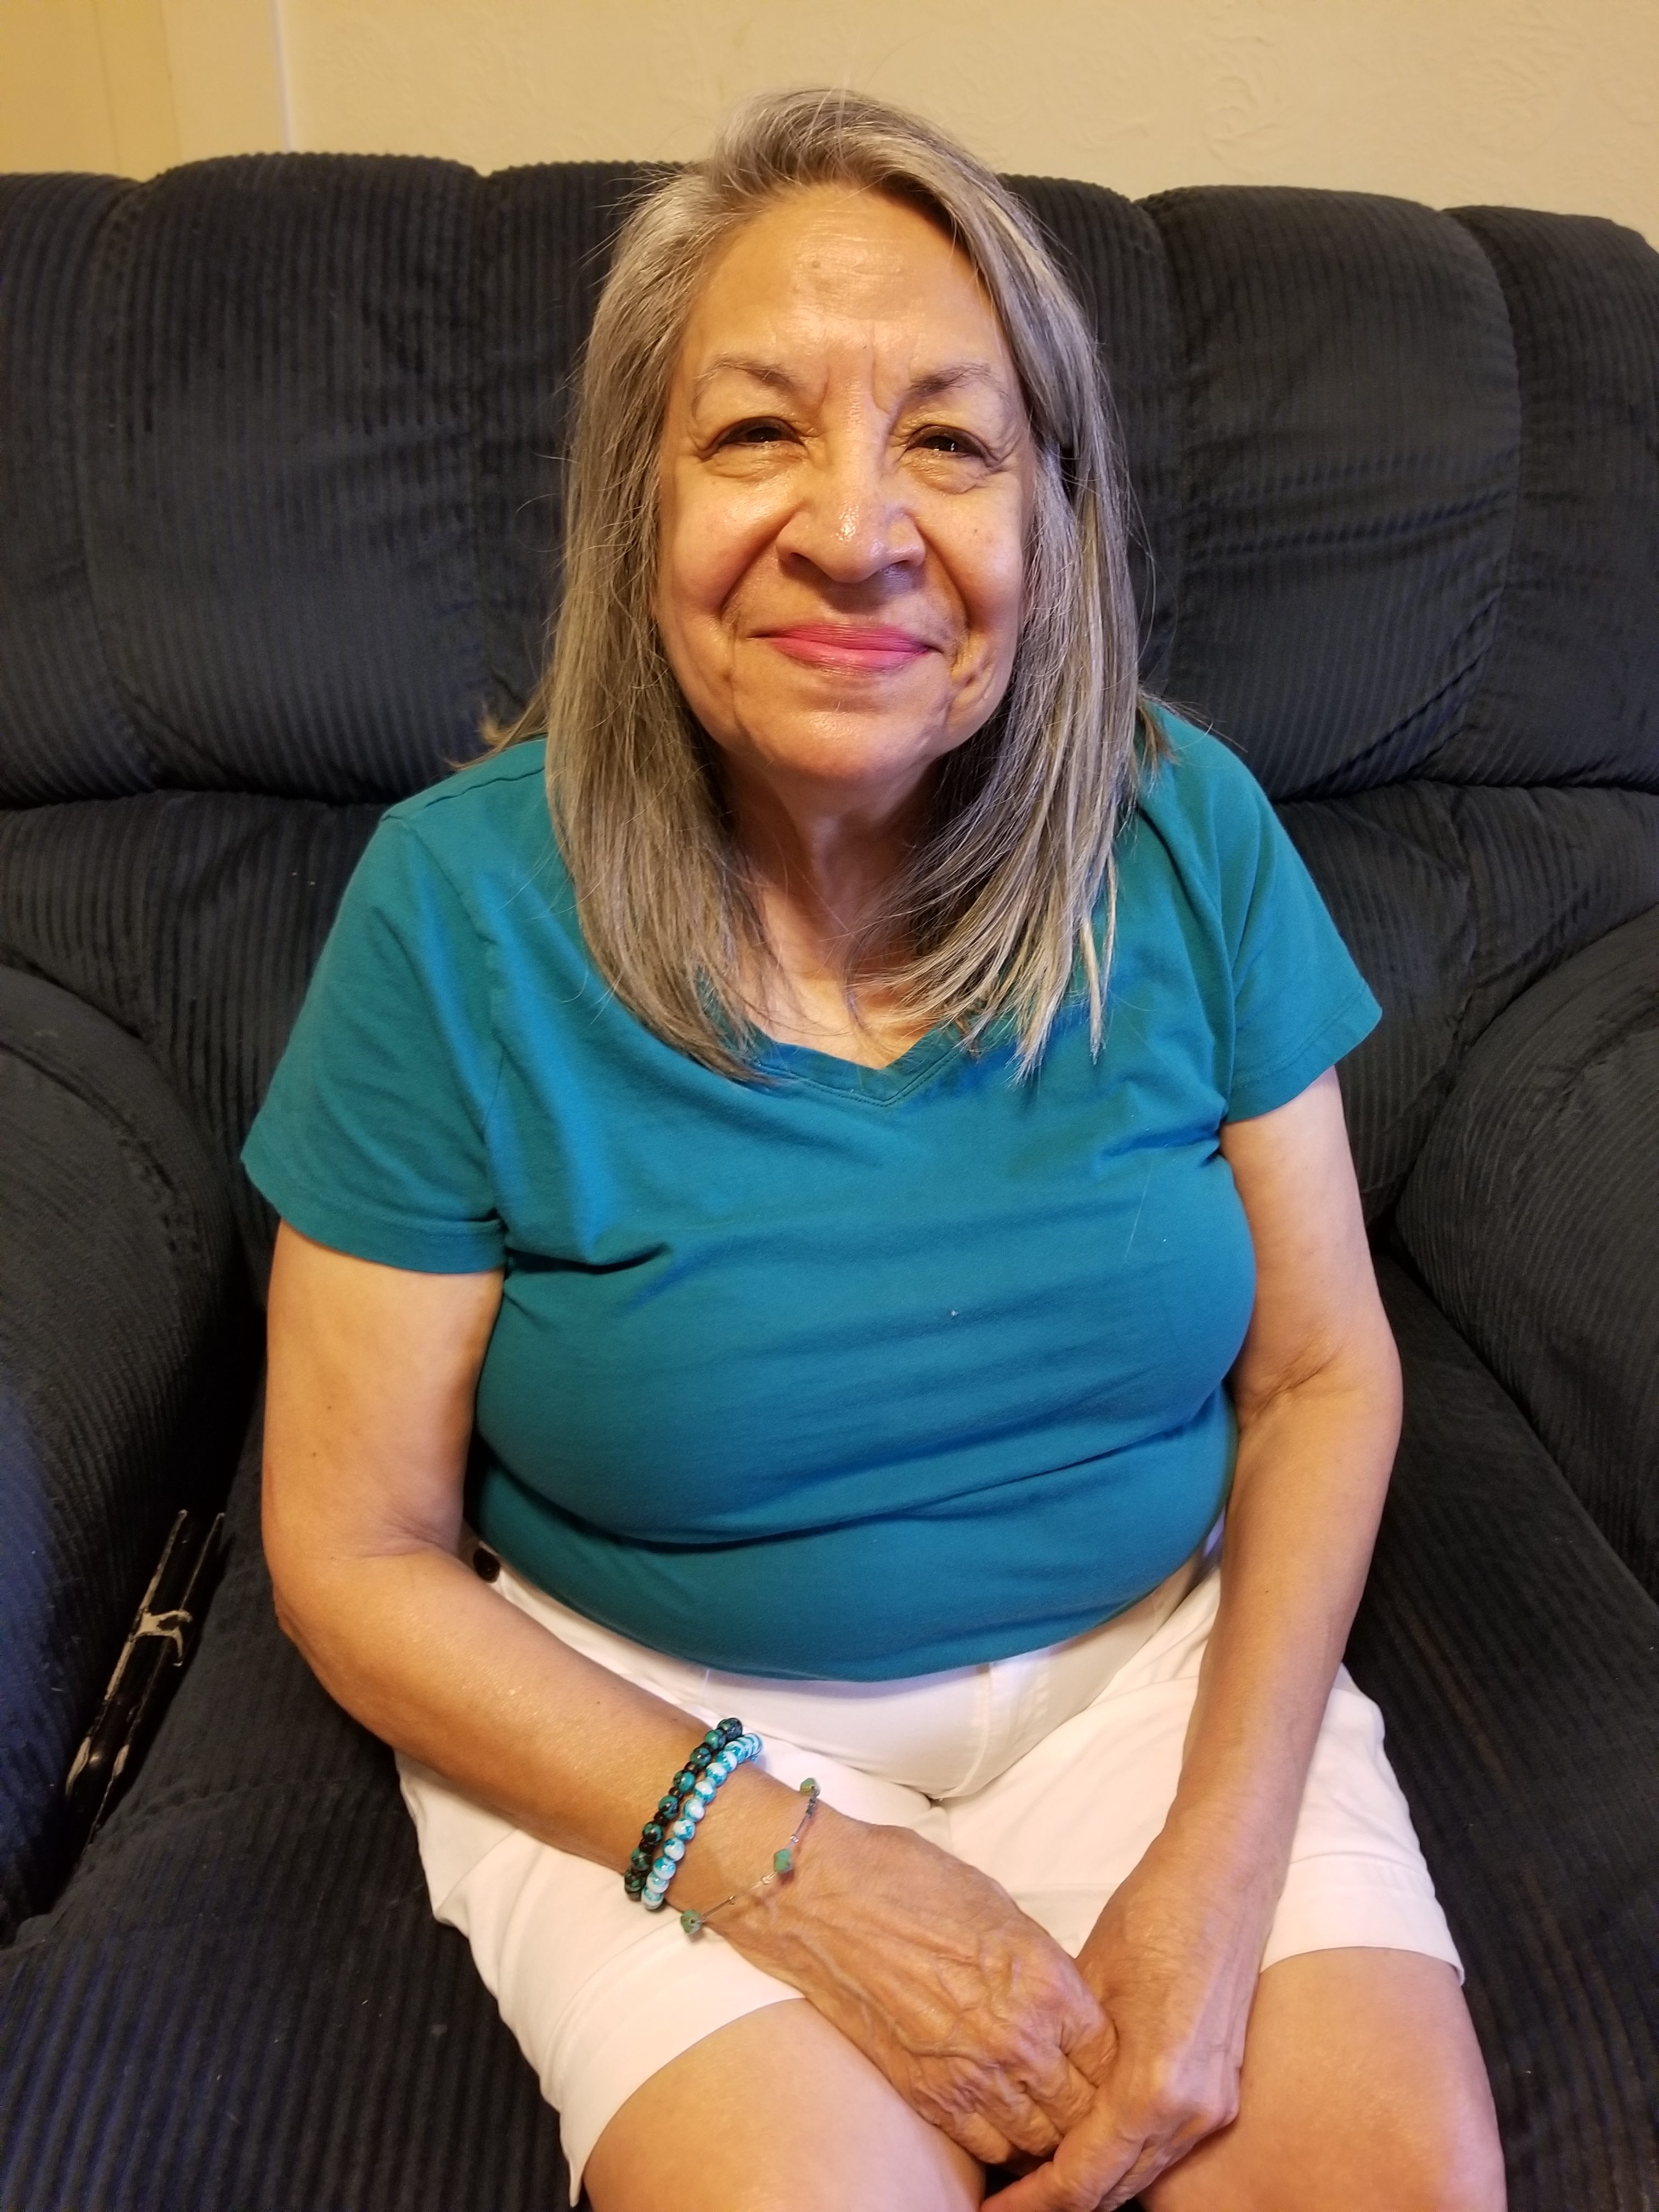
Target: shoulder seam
[(464, 783)]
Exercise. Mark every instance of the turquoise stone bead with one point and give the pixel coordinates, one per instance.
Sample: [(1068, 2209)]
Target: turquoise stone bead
[(783, 1860), (691, 1922)]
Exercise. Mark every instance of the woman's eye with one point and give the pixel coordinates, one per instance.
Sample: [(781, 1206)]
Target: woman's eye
[(753, 434), (952, 442)]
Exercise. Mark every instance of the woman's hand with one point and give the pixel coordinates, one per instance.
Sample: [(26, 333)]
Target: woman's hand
[(1174, 1960), (973, 2011), (1175, 1957)]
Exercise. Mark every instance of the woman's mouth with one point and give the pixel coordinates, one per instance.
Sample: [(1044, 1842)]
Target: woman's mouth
[(862, 646)]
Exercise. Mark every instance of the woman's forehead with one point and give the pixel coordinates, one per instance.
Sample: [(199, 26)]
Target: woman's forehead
[(828, 267)]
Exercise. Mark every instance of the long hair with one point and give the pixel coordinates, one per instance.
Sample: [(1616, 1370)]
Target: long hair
[(993, 913)]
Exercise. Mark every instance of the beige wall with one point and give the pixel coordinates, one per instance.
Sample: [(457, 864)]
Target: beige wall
[(132, 86), (1550, 103)]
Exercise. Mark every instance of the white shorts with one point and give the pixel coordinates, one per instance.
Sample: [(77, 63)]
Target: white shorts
[(1051, 1771)]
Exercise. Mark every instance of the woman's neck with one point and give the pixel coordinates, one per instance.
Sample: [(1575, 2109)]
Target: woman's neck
[(821, 865)]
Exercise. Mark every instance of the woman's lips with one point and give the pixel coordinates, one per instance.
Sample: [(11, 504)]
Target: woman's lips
[(836, 645)]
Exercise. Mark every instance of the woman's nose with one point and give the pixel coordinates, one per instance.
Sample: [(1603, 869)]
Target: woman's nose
[(853, 520)]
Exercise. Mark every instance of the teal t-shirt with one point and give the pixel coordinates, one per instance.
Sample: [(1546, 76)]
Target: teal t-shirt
[(853, 1372)]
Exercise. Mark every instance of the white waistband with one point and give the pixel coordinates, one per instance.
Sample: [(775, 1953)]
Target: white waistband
[(945, 1733)]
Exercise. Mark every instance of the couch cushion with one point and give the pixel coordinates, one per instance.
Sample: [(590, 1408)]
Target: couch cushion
[(1534, 1217), (1453, 900), (540, 248), (276, 473), (287, 486), (1571, 687), (1352, 449), (194, 919), (118, 1332), (1113, 254), (243, 1999), (65, 728), (1517, 1662)]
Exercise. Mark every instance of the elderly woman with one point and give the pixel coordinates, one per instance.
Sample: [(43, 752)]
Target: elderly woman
[(804, 1197)]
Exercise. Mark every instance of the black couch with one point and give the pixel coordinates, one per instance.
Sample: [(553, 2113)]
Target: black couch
[(279, 479)]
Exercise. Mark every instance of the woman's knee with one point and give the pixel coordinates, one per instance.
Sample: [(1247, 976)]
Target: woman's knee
[(1363, 2091)]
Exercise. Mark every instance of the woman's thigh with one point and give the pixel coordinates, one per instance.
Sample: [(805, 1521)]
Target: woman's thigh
[(776, 2113), (1363, 2091)]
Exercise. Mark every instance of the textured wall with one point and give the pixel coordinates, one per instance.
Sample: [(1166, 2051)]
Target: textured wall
[(1543, 103)]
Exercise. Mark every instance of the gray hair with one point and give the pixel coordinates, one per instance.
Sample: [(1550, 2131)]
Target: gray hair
[(995, 908)]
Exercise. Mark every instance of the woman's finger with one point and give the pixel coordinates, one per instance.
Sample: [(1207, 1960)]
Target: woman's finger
[(1035, 2095), (1063, 2093), (1086, 2172), (976, 2136), (1027, 2126), (988, 2100)]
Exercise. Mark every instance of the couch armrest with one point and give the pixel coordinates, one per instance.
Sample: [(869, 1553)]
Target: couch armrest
[(1532, 1217), (124, 1325)]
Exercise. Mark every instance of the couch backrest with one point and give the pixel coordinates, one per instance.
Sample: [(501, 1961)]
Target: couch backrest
[(279, 481)]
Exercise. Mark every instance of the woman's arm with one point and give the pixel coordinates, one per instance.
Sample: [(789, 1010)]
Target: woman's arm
[(967, 2005), (1176, 1956), (367, 1420)]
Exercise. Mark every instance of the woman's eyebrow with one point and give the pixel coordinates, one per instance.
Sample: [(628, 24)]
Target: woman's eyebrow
[(938, 381), (742, 364), (933, 385)]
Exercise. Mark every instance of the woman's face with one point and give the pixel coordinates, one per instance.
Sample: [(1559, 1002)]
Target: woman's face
[(846, 483)]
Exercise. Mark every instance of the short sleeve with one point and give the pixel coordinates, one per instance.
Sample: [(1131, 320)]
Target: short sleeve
[(1299, 1003), (372, 1138)]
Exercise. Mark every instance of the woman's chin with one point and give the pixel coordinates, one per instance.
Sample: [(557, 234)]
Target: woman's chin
[(862, 732), (845, 751)]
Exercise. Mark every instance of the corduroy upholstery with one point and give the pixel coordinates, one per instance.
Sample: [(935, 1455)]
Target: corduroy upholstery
[(280, 474), (1534, 1216), (113, 1369)]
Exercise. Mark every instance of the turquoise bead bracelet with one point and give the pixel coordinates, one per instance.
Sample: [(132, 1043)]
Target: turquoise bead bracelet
[(655, 1831), (783, 1862), (693, 1806), (663, 1839)]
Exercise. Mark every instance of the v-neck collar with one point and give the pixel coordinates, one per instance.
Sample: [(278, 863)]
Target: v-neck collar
[(851, 1078)]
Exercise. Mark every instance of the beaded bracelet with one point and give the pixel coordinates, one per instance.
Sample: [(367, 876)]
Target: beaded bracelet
[(656, 1828), (693, 1806), (783, 1862), (663, 1839)]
